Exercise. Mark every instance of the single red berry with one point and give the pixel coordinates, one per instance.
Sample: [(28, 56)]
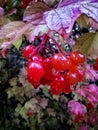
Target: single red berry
[(57, 85), (49, 75), (95, 66), (69, 65), (45, 81), (71, 78), (37, 58), (77, 57), (35, 70), (96, 60), (30, 113), (23, 5), (67, 89), (59, 61), (28, 50), (34, 84), (80, 73)]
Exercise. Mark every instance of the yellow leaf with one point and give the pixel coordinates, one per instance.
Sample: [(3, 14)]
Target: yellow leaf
[(18, 43)]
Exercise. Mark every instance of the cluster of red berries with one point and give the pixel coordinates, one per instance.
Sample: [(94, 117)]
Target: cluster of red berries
[(95, 66), (61, 72), (24, 3)]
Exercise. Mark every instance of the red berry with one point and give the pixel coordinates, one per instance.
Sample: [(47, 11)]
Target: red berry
[(57, 85), (45, 81), (80, 73), (69, 66), (67, 89), (95, 66), (37, 58), (23, 5), (48, 69), (71, 78), (35, 70), (59, 61), (28, 50), (77, 58), (96, 60), (30, 113), (34, 84)]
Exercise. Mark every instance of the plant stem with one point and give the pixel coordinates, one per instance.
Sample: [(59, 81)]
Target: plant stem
[(57, 45)]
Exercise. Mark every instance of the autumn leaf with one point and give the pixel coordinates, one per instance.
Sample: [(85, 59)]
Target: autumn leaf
[(52, 3), (3, 20), (10, 33), (10, 30), (88, 44), (93, 23), (86, 22), (34, 12), (67, 13), (83, 21)]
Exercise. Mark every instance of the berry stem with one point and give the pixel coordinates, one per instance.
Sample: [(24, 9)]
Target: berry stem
[(44, 40), (57, 44)]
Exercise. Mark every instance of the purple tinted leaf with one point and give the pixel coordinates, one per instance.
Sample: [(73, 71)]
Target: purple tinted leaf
[(34, 12), (66, 14), (1, 11), (52, 3)]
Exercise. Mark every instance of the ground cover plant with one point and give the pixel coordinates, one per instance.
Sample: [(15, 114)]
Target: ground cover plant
[(49, 64)]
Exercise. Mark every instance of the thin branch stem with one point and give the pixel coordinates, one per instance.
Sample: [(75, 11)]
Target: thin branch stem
[(57, 44)]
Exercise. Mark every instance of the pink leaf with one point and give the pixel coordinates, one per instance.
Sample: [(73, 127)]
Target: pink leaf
[(76, 108), (90, 73), (1, 11), (67, 13), (84, 127), (90, 93)]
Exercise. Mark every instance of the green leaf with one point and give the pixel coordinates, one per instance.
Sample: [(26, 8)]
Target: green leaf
[(18, 108), (22, 111), (88, 44), (18, 43), (10, 93)]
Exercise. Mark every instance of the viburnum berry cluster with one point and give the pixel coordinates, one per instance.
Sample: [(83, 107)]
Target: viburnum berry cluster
[(59, 70)]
